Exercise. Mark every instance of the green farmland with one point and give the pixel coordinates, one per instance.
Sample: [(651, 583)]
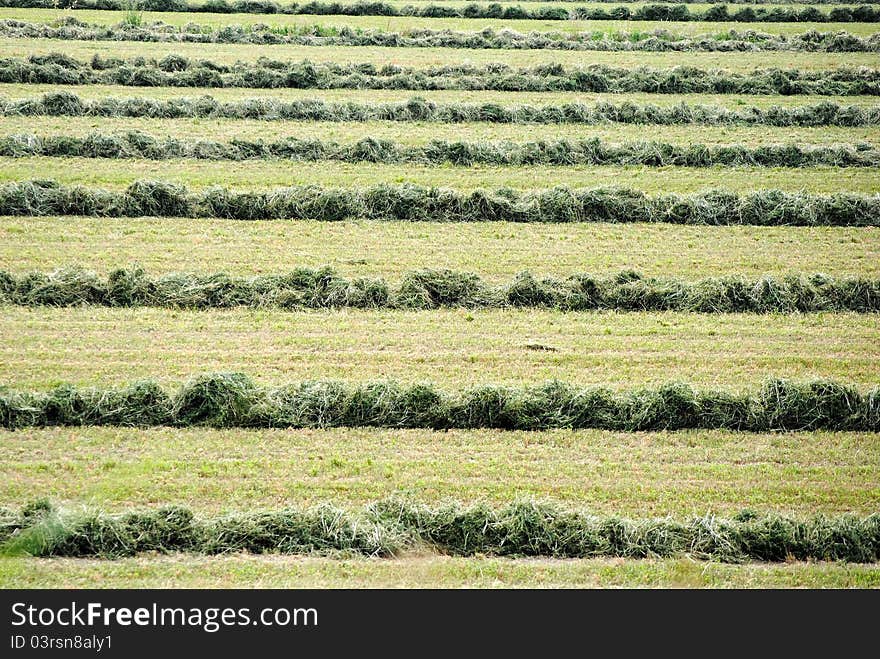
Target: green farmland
[(187, 320)]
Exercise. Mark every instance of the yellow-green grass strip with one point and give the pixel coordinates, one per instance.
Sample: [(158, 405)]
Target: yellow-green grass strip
[(426, 57), (386, 249), (243, 571), (416, 133), (257, 175), (41, 348), (636, 474), (12, 91), (406, 23)]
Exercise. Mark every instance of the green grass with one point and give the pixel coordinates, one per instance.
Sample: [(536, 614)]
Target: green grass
[(638, 474), (534, 6), (734, 101), (261, 174), (180, 571), (246, 571), (105, 346), (384, 249), (424, 57), (405, 23), (422, 132)]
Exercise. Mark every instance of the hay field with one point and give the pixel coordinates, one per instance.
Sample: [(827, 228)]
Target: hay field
[(694, 353)]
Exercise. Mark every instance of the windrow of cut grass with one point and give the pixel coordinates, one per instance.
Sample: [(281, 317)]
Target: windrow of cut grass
[(233, 400), (306, 288), (385, 528), (594, 151), (547, 12), (414, 203), (303, 35), (180, 71), (418, 109)]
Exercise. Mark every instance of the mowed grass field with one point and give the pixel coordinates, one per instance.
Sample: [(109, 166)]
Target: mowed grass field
[(43, 348), (181, 571), (426, 131), (638, 475), (15, 91), (495, 251), (634, 474), (263, 174)]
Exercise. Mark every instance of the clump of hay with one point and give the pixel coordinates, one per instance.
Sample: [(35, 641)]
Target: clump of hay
[(385, 528), (234, 400), (435, 288)]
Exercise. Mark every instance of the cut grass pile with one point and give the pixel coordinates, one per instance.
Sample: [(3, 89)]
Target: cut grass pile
[(385, 528), (544, 12), (306, 288), (232, 400), (180, 71), (590, 152), (596, 40), (415, 203), (418, 109)]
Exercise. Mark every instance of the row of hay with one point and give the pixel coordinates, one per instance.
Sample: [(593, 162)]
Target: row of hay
[(391, 526), (593, 151), (70, 28), (232, 400), (306, 288), (651, 12), (179, 71), (407, 202), (264, 7), (68, 104)]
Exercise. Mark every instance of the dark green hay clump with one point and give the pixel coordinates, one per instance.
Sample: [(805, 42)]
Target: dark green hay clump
[(593, 151), (218, 400), (407, 202), (321, 288), (385, 528), (60, 69), (65, 103), (321, 529), (227, 400)]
